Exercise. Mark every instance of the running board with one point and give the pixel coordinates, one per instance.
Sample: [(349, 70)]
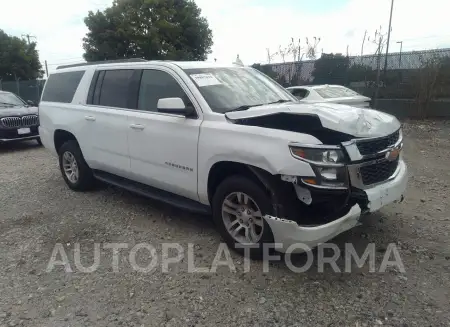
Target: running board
[(152, 192)]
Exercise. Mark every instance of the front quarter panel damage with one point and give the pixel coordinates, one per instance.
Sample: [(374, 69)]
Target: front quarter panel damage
[(300, 123), (250, 145)]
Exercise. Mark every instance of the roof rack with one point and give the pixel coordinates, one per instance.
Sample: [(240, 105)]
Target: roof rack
[(114, 61)]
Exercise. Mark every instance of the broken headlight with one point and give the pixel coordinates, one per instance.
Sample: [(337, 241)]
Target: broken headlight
[(320, 156), (328, 164)]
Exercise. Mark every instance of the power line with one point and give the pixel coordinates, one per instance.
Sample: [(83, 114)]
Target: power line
[(424, 37)]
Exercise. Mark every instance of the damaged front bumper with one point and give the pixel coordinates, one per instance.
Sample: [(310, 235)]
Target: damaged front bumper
[(289, 233)]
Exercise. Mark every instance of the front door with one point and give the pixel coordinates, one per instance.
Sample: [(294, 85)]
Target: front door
[(163, 147)]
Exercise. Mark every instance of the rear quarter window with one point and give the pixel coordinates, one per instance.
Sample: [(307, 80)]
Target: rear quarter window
[(61, 87)]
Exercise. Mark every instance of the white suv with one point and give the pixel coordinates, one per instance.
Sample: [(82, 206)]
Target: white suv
[(226, 140)]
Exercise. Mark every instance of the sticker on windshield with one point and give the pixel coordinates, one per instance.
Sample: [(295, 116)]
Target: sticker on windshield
[(205, 79)]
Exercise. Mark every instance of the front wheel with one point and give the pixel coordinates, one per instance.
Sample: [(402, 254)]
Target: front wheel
[(239, 206), (39, 142)]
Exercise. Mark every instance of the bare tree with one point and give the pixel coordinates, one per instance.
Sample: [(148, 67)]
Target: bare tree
[(311, 52), (294, 49), (270, 56), (380, 42)]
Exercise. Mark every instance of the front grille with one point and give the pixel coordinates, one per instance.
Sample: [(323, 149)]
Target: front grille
[(17, 122), (30, 120), (366, 147), (378, 172)]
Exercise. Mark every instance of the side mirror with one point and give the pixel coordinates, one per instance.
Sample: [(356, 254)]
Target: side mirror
[(31, 103), (175, 106), (171, 106)]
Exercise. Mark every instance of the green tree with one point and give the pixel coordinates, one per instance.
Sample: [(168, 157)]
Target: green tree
[(149, 29), (331, 69), (18, 60)]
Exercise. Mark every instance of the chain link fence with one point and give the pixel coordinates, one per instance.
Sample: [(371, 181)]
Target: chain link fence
[(27, 90), (419, 75)]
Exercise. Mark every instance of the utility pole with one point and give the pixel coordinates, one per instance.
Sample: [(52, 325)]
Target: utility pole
[(268, 55), (362, 45), (28, 36), (388, 38), (400, 57), (46, 67)]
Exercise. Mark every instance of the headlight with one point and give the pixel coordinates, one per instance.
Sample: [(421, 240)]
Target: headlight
[(319, 156), (328, 163)]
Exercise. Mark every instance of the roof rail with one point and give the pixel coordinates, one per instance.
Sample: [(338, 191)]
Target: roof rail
[(114, 61)]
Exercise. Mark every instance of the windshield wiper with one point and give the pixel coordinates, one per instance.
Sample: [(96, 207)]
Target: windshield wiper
[(280, 101)]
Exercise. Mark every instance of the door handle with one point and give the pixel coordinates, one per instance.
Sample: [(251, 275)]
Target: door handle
[(137, 126), (90, 118)]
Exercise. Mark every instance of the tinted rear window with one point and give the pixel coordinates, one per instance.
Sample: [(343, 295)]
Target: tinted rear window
[(61, 87)]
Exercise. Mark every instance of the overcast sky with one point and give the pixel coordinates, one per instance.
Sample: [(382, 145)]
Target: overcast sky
[(247, 27)]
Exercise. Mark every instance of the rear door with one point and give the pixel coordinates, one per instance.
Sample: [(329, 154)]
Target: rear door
[(111, 94)]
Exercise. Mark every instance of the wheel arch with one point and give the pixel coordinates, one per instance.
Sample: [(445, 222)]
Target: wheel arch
[(61, 136), (223, 169)]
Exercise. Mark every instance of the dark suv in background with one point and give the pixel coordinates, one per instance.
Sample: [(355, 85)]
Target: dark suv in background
[(19, 120)]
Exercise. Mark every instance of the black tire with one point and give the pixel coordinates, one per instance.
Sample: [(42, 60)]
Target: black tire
[(243, 184), (86, 180), (39, 142)]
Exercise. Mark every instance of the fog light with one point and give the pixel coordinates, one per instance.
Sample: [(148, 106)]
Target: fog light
[(328, 173)]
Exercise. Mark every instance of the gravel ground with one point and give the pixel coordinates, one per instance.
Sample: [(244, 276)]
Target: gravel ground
[(38, 211)]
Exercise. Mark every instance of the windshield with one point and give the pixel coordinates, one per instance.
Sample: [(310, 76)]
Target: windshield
[(10, 100), (335, 92), (236, 88)]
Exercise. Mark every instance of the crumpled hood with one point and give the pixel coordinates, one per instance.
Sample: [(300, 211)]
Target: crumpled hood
[(354, 121), (17, 111)]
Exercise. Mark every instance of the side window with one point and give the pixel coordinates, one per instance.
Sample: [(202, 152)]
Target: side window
[(299, 93), (61, 87), (155, 85), (114, 88)]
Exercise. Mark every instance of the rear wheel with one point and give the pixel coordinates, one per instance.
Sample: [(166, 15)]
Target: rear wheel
[(239, 205), (76, 173)]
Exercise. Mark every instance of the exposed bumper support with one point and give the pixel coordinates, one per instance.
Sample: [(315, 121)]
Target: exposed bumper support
[(288, 232)]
